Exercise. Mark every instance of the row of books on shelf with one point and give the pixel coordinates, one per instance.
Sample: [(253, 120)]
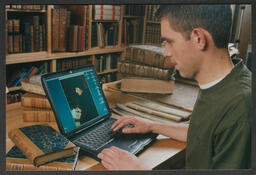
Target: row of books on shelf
[(14, 97), (25, 36), (134, 10), (151, 12), (132, 31), (106, 62), (31, 7), (104, 34), (106, 78), (107, 12), (153, 34), (72, 62)]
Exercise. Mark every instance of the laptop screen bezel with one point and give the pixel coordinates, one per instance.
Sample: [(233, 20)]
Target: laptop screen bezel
[(81, 128)]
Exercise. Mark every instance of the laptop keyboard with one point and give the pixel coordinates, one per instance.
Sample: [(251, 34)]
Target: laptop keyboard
[(98, 137)]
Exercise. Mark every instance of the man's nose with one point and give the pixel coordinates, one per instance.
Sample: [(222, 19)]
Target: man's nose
[(167, 53)]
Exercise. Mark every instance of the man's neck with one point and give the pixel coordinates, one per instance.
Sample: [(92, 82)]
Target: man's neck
[(214, 67)]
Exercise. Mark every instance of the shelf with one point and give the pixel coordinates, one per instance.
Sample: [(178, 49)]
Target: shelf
[(43, 56), (26, 10), (153, 22), (107, 71), (105, 20), (133, 16)]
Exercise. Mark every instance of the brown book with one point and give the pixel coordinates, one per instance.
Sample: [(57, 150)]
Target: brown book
[(73, 35), (15, 160), (146, 85), (31, 29), (62, 29), (35, 101), (16, 37), (42, 144), (20, 45), (38, 115), (55, 29), (81, 38), (10, 35), (145, 71)]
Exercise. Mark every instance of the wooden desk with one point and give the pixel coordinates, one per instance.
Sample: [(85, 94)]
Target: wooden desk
[(162, 150)]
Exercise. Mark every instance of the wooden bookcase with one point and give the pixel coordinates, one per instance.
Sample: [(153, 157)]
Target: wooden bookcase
[(48, 55), (84, 16)]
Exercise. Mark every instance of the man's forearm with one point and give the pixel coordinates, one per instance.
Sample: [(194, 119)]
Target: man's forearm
[(174, 131)]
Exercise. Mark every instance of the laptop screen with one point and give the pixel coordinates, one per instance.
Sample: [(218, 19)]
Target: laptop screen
[(77, 97)]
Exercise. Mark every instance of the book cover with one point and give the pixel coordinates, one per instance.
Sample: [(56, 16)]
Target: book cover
[(16, 160), (42, 144), (35, 101), (38, 115)]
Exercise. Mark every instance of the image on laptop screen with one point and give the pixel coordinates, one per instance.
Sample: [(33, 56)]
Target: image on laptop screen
[(77, 98)]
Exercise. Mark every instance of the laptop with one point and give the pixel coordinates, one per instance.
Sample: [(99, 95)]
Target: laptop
[(83, 115)]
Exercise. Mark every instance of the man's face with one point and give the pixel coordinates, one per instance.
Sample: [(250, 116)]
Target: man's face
[(179, 51)]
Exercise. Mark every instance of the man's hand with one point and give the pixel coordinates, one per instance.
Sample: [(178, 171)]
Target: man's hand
[(114, 158), (140, 125)]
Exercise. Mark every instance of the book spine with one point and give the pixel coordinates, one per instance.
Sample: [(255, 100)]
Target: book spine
[(10, 35), (27, 37), (16, 30), (73, 34), (35, 102), (36, 33), (41, 47), (26, 167), (62, 29), (55, 29), (38, 116), (31, 29)]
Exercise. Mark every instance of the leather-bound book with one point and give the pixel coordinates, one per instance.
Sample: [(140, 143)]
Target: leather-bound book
[(35, 101), (42, 144), (38, 115), (16, 160)]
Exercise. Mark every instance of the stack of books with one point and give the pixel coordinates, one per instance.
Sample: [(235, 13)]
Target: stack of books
[(144, 69), (36, 108), (40, 147)]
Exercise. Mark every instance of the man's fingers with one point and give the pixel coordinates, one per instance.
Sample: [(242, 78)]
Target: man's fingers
[(123, 122)]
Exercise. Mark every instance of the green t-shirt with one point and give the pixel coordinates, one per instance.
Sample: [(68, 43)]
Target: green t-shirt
[(219, 135)]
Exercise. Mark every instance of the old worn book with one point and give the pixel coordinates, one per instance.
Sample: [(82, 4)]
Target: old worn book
[(42, 144), (147, 55), (35, 101), (38, 115), (55, 29), (147, 85), (16, 160), (145, 71), (32, 87)]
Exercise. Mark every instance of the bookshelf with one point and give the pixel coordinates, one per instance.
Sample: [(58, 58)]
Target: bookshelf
[(81, 15)]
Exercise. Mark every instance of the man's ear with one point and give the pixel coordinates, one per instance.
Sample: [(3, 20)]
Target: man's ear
[(199, 38)]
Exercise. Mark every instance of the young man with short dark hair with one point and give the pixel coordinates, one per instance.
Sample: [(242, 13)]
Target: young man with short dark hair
[(219, 133)]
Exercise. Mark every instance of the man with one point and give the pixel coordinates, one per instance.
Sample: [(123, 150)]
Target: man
[(219, 133)]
